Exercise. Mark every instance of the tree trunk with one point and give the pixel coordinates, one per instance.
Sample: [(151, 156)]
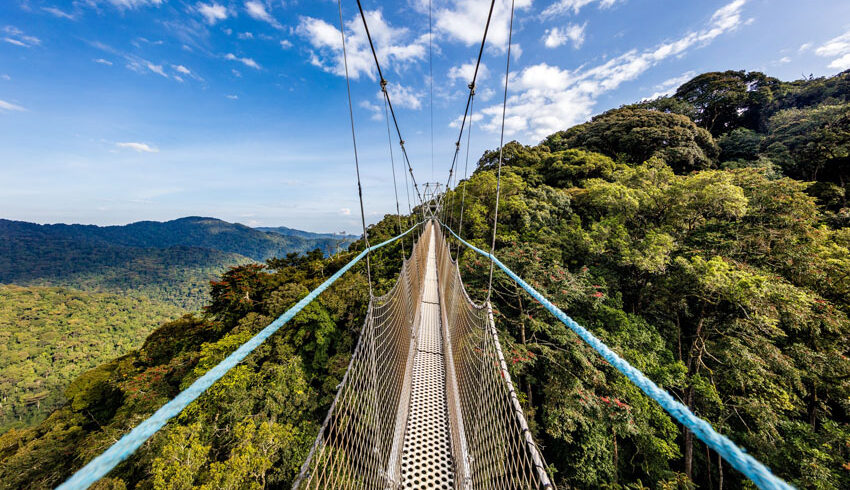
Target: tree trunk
[(689, 440), (719, 472), (616, 456), (708, 466)]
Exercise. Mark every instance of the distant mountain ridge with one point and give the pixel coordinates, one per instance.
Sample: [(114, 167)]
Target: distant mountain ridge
[(192, 231), (283, 230), (170, 261)]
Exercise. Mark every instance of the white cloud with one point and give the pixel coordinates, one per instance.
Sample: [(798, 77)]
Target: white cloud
[(258, 11), (546, 98), (156, 69), (285, 43), (18, 38), (345, 211), (574, 6), (245, 61), (785, 59), (804, 47), (556, 36), (8, 106), (464, 72), (232, 97), (464, 21), (390, 43), (182, 69), (212, 12), (245, 35), (669, 86), (133, 4), (138, 147), (376, 110), (842, 63), (837, 48), (5, 77), (102, 61), (402, 96), (58, 13)]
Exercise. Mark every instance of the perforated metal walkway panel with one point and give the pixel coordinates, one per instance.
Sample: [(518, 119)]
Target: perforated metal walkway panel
[(426, 460)]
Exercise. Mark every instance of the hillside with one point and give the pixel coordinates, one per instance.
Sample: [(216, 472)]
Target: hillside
[(171, 261), (703, 236), (49, 336)]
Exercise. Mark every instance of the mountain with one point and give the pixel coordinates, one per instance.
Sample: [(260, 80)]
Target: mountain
[(704, 236), (282, 230), (169, 261)]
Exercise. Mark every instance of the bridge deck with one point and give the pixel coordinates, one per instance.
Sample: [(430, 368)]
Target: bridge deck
[(426, 460)]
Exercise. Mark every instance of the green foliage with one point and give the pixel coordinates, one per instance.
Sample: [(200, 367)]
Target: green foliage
[(49, 336), (729, 287), (636, 135)]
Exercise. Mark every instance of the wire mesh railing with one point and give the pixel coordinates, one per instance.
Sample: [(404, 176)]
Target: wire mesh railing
[(500, 452), (360, 439)]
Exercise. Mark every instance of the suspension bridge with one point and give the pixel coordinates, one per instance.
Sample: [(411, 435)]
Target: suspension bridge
[(427, 401)]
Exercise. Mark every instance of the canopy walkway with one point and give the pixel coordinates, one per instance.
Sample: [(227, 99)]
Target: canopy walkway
[(427, 401)]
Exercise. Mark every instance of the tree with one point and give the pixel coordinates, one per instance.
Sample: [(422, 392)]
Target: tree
[(636, 135), (728, 100)]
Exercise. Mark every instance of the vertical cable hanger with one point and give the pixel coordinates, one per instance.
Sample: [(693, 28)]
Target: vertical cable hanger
[(501, 149), (354, 142), (465, 173), (392, 163), (431, 81), (389, 99), (471, 91)]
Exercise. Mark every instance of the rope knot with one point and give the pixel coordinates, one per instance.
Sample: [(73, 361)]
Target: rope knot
[(383, 85)]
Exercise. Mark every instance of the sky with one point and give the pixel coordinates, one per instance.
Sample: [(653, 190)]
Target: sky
[(114, 111)]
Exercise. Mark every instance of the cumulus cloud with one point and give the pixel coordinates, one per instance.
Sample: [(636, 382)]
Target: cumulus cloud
[(137, 147), (546, 98), (19, 38), (837, 48), (464, 21), (285, 43), (212, 12), (258, 11), (464, 72), (558, 36), (393, 45), (245, 61), (566, 6), (10, 107)]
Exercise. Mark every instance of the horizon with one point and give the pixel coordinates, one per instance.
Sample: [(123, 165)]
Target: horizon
[(338, 232), (118, 111)]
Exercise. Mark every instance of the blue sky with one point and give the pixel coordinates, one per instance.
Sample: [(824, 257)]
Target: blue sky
[(114, 111)]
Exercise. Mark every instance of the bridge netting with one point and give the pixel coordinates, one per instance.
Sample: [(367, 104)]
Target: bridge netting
[(361, 441)]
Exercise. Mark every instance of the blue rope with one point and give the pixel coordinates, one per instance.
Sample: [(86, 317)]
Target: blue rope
[(127, 445), (734, 455)]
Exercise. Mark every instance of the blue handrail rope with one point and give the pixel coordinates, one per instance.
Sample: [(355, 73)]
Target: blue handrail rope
[(732, 453), (127, 445)]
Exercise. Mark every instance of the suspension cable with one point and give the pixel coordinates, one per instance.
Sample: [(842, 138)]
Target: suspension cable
[(501, 150), (389, 101), (465, 171), (354, 141), (471, 90), (431, 81), (392, 164)]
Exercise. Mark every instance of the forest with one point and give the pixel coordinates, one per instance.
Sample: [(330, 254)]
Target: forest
[(703, 236), (49, 336)]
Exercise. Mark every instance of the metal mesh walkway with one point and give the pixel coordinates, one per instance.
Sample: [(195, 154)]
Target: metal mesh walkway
[(426, 460), (427, 401)]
